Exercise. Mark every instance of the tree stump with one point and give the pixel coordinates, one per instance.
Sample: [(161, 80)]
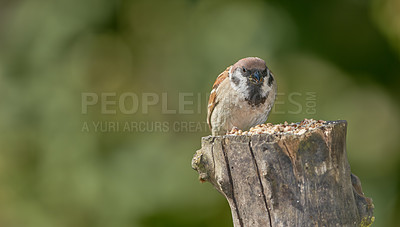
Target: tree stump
[(286, 179)]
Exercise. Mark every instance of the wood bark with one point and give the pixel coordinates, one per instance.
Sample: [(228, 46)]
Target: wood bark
[(286, 179)]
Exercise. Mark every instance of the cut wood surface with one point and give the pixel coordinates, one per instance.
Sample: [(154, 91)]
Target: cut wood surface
[(286, 179)]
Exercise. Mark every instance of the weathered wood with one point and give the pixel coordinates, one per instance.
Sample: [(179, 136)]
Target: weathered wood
[(286, 179)]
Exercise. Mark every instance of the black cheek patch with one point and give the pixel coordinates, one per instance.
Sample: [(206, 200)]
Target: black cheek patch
[(270, 80), (235, 80)]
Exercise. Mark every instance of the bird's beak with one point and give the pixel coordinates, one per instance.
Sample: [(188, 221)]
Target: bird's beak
[(256, 78)]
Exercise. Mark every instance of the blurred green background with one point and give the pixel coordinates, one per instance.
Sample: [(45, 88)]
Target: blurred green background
[(53, 172)]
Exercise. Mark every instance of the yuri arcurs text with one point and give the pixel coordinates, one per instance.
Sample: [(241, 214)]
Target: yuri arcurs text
[(144, 126)]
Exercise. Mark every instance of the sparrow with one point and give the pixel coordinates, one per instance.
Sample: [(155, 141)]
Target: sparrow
[(242, 96)]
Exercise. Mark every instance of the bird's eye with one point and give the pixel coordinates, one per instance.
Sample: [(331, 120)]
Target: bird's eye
[(244, 69)]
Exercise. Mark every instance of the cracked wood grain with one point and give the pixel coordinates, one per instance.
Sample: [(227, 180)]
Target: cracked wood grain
[(231, 184), (259, 178)]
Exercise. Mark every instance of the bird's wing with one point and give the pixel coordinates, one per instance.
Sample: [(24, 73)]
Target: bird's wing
[(212, 101)]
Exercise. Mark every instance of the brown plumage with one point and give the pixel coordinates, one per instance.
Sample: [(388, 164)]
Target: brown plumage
[(242, 96), (213, 94)]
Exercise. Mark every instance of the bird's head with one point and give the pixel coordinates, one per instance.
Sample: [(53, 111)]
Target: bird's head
[(251, 75)]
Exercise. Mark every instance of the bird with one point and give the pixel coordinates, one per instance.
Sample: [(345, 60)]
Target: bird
[(241, 97)]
